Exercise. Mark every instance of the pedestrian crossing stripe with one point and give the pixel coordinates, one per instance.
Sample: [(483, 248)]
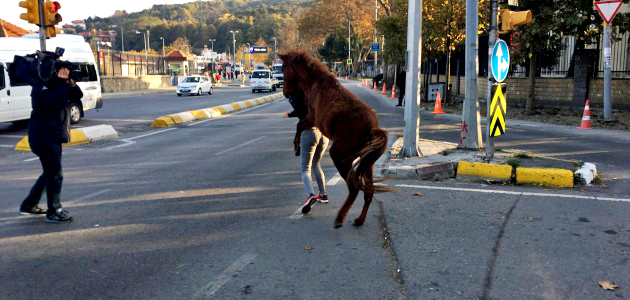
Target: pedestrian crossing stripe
[(498, 109)]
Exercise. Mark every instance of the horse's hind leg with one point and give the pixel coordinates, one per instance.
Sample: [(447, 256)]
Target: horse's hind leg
[(343, 166), (367, 197)]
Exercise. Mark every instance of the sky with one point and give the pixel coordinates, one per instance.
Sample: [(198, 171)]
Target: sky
[(80, 9)]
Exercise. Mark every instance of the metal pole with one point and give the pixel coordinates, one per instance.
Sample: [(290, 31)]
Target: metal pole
[(491, 41), (471, 126), (42, 27), (122, 36), (375, 34), (347, 65), (607, 74), (412, 85)]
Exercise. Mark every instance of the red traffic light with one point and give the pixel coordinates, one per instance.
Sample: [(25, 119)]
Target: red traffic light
[(54, 6)]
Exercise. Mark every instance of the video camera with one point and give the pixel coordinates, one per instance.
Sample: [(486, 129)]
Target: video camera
[(41, 67)]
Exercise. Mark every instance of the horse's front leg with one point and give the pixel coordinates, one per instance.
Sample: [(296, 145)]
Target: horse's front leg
[(367, 197)]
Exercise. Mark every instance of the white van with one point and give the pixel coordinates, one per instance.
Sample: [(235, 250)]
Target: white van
[(262, 80), (15, 96)]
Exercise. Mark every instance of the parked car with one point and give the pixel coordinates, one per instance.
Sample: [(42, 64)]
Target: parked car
[(262, 80), (195, 85)]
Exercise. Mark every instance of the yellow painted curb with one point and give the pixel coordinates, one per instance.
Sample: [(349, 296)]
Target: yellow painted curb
[(236, 106), (200, 114), (545, 176), (77, 137), (221, 109), (248, 103), (164, 121), (483, 170)]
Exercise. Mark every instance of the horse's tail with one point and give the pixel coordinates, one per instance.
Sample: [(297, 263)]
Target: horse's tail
[(367, 157)]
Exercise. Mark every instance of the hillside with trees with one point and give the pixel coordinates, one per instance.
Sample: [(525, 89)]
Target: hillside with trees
[(202, 20)]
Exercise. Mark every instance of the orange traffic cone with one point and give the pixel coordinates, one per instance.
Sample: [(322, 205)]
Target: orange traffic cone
[(384, 91), (586, 118), (438, 105), (346, 77), (393, 96), (375, 86)]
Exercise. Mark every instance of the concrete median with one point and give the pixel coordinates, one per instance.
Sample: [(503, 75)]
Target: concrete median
[(79, 136), (211, 112)]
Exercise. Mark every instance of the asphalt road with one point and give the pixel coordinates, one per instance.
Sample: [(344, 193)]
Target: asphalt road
[(210, 211)]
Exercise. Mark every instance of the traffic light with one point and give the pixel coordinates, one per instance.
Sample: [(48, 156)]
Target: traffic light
[(32, 11), (511, 19), (52, 17)]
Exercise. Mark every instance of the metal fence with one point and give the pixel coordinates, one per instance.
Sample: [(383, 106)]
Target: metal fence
[(117, 63)]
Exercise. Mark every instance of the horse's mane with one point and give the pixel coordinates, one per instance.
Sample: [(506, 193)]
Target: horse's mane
[(313, 65)]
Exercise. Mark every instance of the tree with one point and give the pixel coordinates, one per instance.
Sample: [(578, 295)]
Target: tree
[(542, 36), (181, 44)]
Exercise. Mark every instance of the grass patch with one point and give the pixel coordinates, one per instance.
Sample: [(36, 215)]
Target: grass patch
[(514, 162), (598, 179), (522, 155)]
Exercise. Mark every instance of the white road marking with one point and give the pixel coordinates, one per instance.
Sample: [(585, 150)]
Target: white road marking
[(225, 276), (513, 193), (229, 114), (148, 134), (123, 120), (241, 145), (335, 179), (11, 136), (126, 143), (7, 146), (297, 214), (92, 195), (32, 159)]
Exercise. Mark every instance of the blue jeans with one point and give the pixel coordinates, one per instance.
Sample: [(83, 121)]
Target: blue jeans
[(313, 145)]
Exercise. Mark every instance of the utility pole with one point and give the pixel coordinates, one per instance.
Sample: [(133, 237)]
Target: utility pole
[(122, 37), (607, 74), (275, 49), (491, 41), (413, 58), (348, 45), (42, 25), (470, 135), (375, 34)]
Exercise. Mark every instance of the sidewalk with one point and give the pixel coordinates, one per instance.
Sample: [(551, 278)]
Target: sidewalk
[(125, 94)]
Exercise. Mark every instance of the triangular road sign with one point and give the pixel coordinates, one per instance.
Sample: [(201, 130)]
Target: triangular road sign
[(608, 10)]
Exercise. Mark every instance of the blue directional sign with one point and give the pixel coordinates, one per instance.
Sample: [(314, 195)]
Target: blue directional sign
[(500, 61), (376, 47)]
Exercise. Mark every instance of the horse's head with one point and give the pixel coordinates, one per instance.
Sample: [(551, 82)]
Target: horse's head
[(293, 67)]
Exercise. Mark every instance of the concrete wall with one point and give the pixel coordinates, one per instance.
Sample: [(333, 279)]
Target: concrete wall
[(549, 91), (112, 84)]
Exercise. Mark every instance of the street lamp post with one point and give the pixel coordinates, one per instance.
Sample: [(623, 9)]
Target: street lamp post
[(247, 63), (146, 55), (212, 44), (122, 37), (234, 32), (275, 49), (163, 54)]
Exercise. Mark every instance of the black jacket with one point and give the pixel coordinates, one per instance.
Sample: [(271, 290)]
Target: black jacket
[(299, 109), (49, 118)]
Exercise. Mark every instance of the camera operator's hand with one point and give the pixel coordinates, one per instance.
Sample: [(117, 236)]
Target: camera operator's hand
[(63, 73)]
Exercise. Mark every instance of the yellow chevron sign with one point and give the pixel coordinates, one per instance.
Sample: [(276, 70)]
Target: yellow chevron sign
[(498, 109)]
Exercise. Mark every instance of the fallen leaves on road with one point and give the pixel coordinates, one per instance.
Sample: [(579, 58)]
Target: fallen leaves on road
[(308, 248), (608, 285), (531, 219), (419, 194)]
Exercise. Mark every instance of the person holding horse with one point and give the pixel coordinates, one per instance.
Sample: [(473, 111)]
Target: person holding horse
[(312, 145)]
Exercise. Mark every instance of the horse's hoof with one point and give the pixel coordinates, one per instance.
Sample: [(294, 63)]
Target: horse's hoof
[(338, 224), (358, 222)]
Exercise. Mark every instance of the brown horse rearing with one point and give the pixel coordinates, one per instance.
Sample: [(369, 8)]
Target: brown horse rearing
[(345, 120)]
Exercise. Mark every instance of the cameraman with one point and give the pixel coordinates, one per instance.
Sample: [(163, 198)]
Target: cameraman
[(48, 129)]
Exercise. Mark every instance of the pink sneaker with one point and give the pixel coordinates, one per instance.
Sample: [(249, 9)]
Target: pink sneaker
[(308, 203)]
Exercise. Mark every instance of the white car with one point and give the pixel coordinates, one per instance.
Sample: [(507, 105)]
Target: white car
[(195, 85), (262, 80)]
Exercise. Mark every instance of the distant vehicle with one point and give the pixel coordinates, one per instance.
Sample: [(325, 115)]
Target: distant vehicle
[(262, 80), (15, 96), (195, 85), (261, 67), (276, 72)]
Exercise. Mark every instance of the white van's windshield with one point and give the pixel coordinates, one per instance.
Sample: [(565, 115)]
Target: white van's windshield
[(276, 69), (191, 79), (259, 74)]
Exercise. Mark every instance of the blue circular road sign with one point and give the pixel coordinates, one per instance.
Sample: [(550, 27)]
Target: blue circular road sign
[(500, 60)]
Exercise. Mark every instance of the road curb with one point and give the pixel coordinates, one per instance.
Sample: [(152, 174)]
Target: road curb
[(79, 136), (211, 112), (483, 171), (544, 176)]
